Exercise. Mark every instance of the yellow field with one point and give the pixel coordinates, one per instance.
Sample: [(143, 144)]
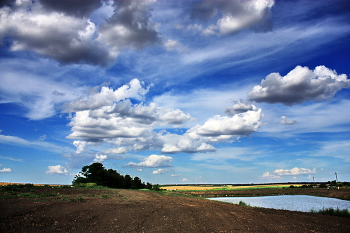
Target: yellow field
[(7, 183), (191, 187), (225, 187)]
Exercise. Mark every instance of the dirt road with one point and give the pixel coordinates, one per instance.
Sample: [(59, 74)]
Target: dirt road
[(145, 211)]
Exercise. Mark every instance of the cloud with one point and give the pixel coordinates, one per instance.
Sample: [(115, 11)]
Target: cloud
[(284, 121), (236, 15), (175, 45), (242, 124), (100, 158), (63, 37), (65, 32), (171, 44), (74, 8), (58, 169), (6, 170), (120, 150), (153, 161), (42, 138), (36, 144), (42, 92), (160, 171), (173, 143), (107, 96), (336, 149), (299, 85), (129, 26), (10, 158), (268, 175), (238, 107), (294, 171), (110, 117)]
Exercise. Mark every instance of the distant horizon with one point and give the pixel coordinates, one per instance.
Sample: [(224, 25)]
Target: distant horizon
[(200, 184)]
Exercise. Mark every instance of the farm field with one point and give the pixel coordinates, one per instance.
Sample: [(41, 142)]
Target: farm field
[(67, 209), (224, 187)]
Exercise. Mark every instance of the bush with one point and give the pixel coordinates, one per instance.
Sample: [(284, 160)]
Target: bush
[(333, 212), (242, 203), (85, 185), (156, 188)]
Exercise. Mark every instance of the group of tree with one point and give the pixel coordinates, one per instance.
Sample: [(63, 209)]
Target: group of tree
[(97, 174)]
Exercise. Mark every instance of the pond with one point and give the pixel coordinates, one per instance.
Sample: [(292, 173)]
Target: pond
[(302, 203)]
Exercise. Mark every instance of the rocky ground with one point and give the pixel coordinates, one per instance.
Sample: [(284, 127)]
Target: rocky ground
[(88, 210)]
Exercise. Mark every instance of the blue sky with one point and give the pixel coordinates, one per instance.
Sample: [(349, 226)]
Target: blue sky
[(175, 92)]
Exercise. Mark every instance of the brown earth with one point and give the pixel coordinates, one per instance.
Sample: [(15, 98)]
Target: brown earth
[(88, 210)]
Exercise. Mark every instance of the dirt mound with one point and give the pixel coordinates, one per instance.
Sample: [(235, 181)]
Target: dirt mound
[(144, 211)]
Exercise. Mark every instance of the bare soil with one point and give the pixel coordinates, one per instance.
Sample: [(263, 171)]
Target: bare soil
[(89, 210)]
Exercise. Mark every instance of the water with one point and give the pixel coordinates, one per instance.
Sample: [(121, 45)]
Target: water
[(302, 203)]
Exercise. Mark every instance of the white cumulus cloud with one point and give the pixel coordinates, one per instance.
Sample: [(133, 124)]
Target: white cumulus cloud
[(299, 85), (236, 15), (58, 169), (241, 124), (153, 161), (294, 171), (6, 170), (238, 107), (284, 121), (159, 171), (100, 158)]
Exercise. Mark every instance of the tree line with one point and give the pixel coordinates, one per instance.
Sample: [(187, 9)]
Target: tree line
[(96, 173)]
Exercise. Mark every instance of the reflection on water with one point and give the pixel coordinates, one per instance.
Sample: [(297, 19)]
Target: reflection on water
[(302, 203)]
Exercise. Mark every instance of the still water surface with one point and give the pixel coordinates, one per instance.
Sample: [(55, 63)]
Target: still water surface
[(302, 203)]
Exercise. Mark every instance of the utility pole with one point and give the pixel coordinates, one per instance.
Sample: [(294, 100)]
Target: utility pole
[(336, 177)]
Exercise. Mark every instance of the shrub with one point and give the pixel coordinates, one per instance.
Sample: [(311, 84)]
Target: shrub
[(333, 212), (242, 203), (81, 199), (156, 187)]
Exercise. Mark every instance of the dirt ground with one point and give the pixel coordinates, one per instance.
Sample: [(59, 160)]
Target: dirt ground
[(88, 210)]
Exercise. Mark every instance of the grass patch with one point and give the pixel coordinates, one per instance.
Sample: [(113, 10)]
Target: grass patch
[(26, 195), (333, 212), (72, 199), (48, 194), (106, 196), (242, 203), (80, 198)]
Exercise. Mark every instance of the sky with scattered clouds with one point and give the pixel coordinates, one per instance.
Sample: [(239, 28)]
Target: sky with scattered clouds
[(175, 92)]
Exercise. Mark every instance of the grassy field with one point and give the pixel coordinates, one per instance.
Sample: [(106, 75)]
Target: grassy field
[(225, 187)]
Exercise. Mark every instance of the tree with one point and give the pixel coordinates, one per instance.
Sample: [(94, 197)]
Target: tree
[(96, 173)]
